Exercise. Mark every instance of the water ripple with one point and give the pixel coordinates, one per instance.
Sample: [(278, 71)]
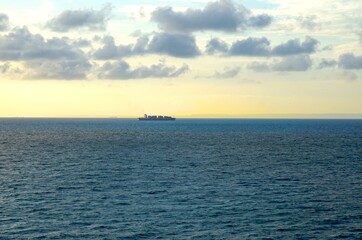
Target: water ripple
[(190, 179)]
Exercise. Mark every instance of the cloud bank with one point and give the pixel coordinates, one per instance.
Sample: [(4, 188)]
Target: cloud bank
[(176, 37)]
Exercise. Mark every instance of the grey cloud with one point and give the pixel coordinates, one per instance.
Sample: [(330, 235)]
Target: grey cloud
[(262, 47), (251, 47), (4, 22), (259, 67), (303, 62), (216, 45), (20, 45), (350, 61), (260, 21), (295, 46), (81, 19), (81, 43), (180, 71), (325, 63), (228, 73), (141, 45), (111, 51), (55, 58), (176, 45), (121, 70), (221, 15), (60, 69), (293, 64), (308, 22), (97, 38), (184, 46), (139, 33)]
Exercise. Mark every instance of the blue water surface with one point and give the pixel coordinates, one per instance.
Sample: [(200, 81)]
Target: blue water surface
[(187, 179)]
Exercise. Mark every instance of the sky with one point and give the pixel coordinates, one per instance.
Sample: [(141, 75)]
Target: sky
[(223, 58)]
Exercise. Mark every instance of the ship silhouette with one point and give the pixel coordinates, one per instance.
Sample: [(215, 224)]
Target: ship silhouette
[(156, 118)]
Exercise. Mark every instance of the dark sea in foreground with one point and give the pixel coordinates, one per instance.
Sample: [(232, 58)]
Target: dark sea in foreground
[(187, 179)]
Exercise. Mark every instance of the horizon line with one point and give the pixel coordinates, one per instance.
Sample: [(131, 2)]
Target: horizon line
[(210, 116)]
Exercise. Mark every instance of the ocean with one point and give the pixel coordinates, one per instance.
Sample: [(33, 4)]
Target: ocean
[(187, 179)]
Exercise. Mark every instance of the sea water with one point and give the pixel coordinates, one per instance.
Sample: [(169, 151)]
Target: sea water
[(187, 179)]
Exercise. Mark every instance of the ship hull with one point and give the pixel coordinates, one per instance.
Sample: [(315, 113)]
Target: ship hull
[(156, 119)]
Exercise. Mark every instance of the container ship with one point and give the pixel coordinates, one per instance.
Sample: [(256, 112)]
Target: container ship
[(156, 118)]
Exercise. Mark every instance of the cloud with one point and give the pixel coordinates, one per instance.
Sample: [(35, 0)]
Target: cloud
[(228, 73), (88, 19), (110, 51), (250, 47), (176, 45), (61, 69), (216, 45), (221, 15), (81, 43), (349, 76), (55, 58), (4, 22), (259, 67), (327, 48), (171, 44), (20, 45), (350, 61), (308, 22), (121, 70), (260, 21), (297, 63), (4, 68), (141, 44), (293, 64), (8, 69), (262, 47), (184, 46), (295, 46), (325, 63)]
